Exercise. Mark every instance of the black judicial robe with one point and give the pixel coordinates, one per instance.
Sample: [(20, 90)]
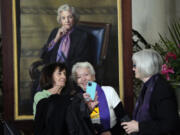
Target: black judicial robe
[(63, 115), (81, 48)]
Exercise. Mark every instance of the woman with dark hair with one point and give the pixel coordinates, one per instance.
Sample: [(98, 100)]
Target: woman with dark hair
[(59, 111), (52, 81)]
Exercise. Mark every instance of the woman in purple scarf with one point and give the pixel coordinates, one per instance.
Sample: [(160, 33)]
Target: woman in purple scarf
[(155, 111), (107, 114), (67, 43)]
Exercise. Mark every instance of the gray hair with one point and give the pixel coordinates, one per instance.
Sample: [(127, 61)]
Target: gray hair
[(67, 7), (81, 65), (148, 62)]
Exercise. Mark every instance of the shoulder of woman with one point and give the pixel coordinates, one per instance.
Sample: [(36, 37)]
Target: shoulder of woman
[(80, 30), (41, 104), (42, 101), (110, 94), (107, 88), (55, 30), (163, 89), (39, 95), (163, 85)]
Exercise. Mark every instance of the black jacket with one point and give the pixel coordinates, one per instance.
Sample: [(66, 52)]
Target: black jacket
[(163, 111), (81, 48), (63, 115)]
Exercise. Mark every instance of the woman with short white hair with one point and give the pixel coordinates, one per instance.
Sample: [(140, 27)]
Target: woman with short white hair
[(106, 116), (67, 43), (67, 7), (155, 111)]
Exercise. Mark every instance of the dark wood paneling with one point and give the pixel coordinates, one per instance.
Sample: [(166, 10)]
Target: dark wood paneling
[(8, 74), (7, 52), (25, 126), (127, 55)]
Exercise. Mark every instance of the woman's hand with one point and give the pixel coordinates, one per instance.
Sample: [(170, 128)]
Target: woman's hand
[(55, 90), (61, 32), (130, 127), (91, 103)]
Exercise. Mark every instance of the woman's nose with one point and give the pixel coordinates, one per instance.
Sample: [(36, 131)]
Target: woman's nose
[(63, 76), (83, 78), (67, 19)]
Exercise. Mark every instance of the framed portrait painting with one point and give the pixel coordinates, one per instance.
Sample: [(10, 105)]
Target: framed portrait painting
[(26, 27)]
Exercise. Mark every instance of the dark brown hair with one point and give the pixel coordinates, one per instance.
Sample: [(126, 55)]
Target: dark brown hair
[(46, 78)]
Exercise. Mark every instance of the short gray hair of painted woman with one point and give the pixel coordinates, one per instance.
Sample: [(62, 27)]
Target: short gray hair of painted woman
[(67, 7), (148, 62), (81, 65)]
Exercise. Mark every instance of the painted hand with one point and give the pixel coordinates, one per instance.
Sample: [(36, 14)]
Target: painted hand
[(61, 32)]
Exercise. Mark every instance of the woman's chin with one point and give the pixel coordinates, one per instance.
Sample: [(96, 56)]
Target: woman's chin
[(83, 88), (68, 27)]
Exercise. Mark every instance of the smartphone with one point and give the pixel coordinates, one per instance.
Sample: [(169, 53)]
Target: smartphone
[(91, 89), (126, 118)]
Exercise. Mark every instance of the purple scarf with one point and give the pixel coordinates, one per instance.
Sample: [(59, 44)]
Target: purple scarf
[(64, 47), (103, 108), (141, 111)]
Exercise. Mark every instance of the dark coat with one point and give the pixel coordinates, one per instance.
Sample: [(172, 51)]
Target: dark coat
[(163, 111), (63, 115), (80, 48)]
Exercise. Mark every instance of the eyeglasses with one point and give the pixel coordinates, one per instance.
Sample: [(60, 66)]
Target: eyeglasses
[(134, 65)]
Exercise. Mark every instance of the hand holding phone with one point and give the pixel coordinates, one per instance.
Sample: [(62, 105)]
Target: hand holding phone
[(126, 118), (91, 89)]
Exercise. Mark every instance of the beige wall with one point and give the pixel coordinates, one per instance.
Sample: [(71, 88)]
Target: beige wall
[(177, 3), (151, 17)]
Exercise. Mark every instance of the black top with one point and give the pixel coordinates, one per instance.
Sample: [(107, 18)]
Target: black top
[(120, 113), (80, 49), (163, 111), (63, 115)]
